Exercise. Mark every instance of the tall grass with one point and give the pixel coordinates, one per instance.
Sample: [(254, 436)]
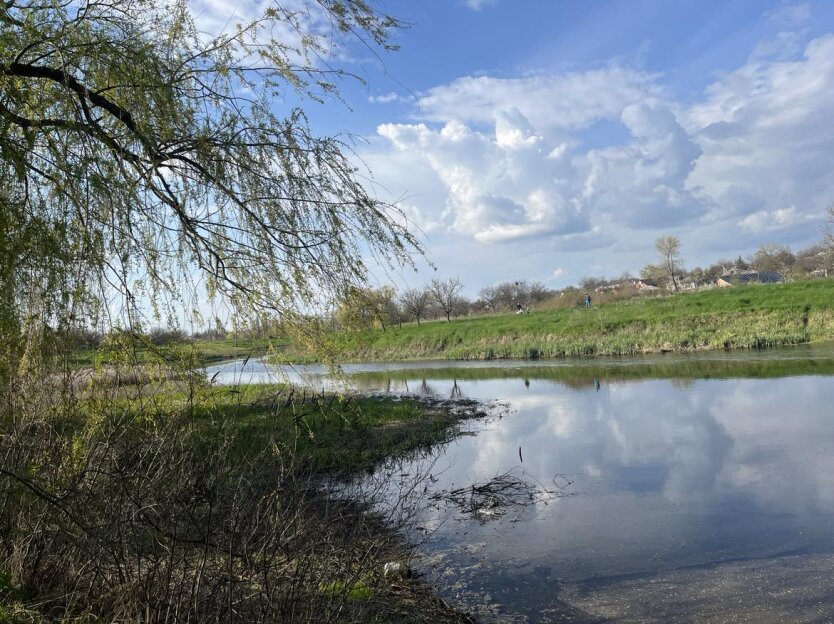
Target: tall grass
[(172, 500)]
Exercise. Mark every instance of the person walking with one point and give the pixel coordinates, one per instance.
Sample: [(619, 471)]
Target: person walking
[(587, 300)]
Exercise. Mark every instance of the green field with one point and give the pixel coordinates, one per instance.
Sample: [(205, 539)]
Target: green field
[(740, 317)]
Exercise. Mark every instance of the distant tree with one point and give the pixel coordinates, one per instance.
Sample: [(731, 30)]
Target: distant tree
[(445, 294), (416, 303), (520, 292), (718, 268), (538, 292), (461, 306), (653, 272), (591, 283), (828, 240), (815, 260), (491, 296), (741, 264), (697, 275), (507, 294), (388, 307), (668, 249), (161, 336), (352, 312), (361, 308), (774, 257)]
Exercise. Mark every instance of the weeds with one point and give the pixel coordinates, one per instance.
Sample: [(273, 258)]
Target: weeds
[(174, 501)]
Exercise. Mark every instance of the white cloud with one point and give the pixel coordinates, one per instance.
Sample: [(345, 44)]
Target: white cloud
[(477, 5), (421, 195), (513, 131), (499, 188), (774, 220), (783, 46), (790, 14), (767, 140), (747, 163), (388, 98), (517, 183), (566, 101), (644, 183)]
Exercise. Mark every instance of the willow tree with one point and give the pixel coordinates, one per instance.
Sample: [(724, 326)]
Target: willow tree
[(140, 152)]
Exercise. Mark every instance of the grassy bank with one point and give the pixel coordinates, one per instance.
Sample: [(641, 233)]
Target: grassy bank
[(330, 434), (211, 504), (202, 351), (739, 317)]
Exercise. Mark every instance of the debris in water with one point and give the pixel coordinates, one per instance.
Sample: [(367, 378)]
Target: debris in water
[(514, 490)]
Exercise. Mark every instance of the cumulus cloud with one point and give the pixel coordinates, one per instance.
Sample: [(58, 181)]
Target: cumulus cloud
[(774, 220), (489, 161), (561, 101), (766, 140), (516, 183), (500, 187), (644, 183)]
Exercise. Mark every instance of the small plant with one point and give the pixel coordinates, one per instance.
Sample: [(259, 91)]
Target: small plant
[(355, 591)]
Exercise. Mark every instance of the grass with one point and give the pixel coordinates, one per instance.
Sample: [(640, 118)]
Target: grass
[(329, 433), (335, 434), (740, 317), (355, 591), (201, 480), (202, 351)]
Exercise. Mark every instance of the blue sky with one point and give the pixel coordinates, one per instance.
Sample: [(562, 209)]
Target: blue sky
[(548, 140)]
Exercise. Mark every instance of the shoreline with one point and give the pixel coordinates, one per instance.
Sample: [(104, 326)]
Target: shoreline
[(271, 456)]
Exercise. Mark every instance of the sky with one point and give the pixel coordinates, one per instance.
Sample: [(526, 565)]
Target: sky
[(551, 140)]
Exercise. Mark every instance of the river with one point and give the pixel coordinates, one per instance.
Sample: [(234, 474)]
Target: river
[(676, 488)]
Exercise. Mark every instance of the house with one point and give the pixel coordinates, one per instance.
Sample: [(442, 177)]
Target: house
[(749, 277), (645, 284)]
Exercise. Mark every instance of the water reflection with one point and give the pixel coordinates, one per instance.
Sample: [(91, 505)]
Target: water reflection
[(669, 476), (696, 480), (800, 360)]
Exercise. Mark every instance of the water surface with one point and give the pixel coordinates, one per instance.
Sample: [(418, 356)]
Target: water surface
[(692, 487)]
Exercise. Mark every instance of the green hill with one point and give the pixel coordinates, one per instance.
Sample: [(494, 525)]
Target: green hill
[(740, 317)]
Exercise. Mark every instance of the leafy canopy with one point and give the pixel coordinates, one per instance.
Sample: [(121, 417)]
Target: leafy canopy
[(138, 153)]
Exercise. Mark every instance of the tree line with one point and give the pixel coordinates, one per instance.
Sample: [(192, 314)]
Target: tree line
[(363, 308), (669, 272)]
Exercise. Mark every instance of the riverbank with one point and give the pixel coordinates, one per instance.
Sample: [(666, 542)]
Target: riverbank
[(197, 351), (202, 500), (748, 317)]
